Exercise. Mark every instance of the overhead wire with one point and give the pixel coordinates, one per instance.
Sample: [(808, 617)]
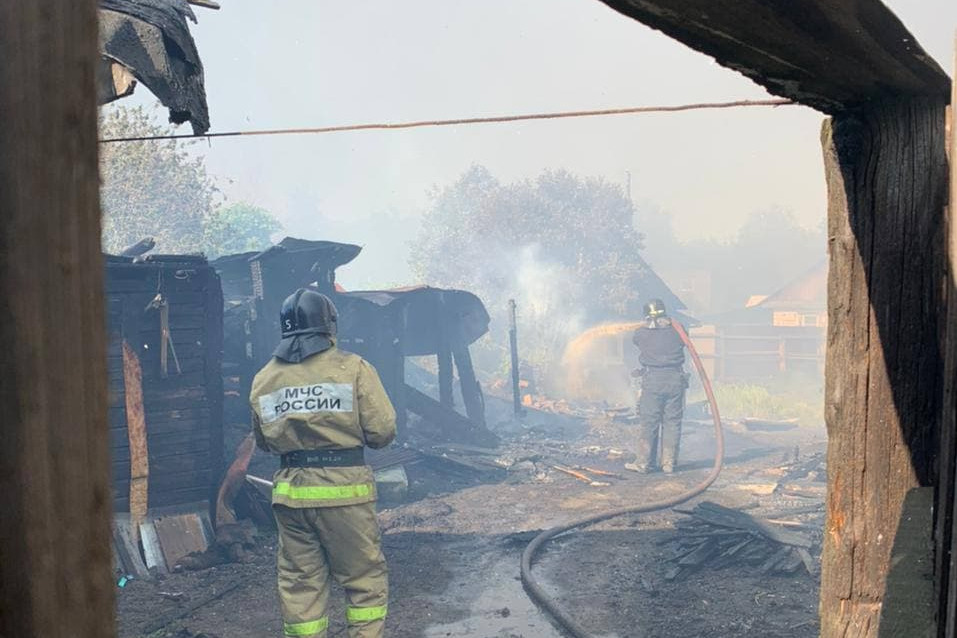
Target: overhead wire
[(495, 119)]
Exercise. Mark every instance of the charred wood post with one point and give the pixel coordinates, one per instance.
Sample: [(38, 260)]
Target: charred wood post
[(886, 175), (945, 535), (444, 357), (444, 353), (513, 351), (55, 573), (471, 391)]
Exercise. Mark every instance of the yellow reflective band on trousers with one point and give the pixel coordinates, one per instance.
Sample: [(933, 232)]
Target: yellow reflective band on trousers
[(305, 628), (321, 492), (366, 614)]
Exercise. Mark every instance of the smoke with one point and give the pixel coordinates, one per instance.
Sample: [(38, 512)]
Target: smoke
[(547, 290), (548, 314), (596, 366)]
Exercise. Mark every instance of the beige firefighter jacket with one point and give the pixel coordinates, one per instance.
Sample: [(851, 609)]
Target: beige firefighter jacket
[(332, 400)]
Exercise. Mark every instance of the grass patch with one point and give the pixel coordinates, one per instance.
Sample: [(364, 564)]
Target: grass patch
[(738, 400)]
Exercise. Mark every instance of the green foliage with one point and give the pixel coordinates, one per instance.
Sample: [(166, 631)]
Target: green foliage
[(152, 188), (158, 189), (238, 228), (738, 401), (563, 246)]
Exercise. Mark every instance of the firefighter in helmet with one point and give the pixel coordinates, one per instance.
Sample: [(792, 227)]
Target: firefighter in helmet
[(318, 407), (662, 397)]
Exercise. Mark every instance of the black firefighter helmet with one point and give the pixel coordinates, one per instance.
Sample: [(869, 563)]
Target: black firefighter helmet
[(308, 323), (655, 308)]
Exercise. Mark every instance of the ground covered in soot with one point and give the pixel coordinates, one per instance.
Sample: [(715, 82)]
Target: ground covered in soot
[(454, 546)]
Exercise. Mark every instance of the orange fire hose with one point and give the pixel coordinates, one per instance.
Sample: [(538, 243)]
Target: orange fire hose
[(534, 589)]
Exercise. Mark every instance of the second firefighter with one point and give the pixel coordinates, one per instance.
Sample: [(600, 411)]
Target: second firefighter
[(662, 396)]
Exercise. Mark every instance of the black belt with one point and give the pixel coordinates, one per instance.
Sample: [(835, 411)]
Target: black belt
[(324, 458), (648, 369)]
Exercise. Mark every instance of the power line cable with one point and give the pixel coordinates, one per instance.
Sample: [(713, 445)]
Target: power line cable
[(460, 121)]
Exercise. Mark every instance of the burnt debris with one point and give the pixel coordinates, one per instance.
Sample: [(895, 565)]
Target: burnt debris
[(149, 41)]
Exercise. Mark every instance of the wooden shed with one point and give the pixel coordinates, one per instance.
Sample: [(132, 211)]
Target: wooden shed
[(782, 335), (165, 317)]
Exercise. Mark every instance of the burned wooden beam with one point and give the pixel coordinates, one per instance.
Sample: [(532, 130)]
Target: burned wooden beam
[(452, 425), (829, 54), (887, 179), (471, 391)]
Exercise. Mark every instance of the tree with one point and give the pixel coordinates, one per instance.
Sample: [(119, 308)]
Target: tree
[(151, 188), (238, 228), (563, 246)]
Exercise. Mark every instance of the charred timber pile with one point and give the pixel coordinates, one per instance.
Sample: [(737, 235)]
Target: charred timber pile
[(717, 536)]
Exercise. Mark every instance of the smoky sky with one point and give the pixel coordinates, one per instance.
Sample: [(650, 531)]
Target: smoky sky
[(323, 62)]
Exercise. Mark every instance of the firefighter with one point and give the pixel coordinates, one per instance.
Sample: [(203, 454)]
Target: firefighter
[(662, 396), (317, 407)]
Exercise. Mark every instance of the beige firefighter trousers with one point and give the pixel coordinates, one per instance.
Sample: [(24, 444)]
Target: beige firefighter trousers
[(341, 542)]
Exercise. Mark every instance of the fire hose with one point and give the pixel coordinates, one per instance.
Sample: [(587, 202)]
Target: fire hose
[(532, 586)]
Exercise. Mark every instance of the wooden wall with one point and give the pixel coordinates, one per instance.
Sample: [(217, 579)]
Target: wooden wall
[(184, 410)]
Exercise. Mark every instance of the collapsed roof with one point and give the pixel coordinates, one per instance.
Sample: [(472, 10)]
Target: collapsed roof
[(421, 318), (149, 41)]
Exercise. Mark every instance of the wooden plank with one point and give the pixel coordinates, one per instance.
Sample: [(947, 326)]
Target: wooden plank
[(886, 172), (152, 551), (188, 462), (124, 540), (139, 467), (157, 388), (181, 336), (453, 426), (180, 497), (166, 499), (471, 391), (167, 449), (56, 571), (829, 54), (170, 482), (192, 396), (141, 279), (166, 418), (444, 358), (180, 535), (161, 444), (187, 364), (179, 322), (184, 348), (214, 382)]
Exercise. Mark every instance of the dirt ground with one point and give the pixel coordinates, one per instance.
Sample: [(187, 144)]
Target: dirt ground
[(454, 547)]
